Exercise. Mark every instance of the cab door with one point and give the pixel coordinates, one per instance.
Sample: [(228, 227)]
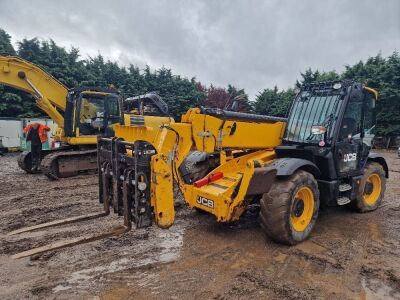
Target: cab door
[(349, 145)]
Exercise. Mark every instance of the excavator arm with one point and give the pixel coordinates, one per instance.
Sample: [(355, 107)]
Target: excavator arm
[(50, 94)]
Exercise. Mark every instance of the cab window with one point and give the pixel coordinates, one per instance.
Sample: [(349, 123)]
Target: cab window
[(351, 122)]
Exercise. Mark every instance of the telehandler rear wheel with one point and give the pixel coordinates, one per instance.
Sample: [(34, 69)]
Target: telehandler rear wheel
[(372, 188), (290, 208)]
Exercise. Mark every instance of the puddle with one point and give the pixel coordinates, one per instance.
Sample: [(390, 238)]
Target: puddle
[(280, 258), (60, 288), (374, 232), (310, 247), (379, 291), (117, 293), (168, 241)]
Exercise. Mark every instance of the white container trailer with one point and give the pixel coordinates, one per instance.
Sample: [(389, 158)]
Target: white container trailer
[(10, 132)]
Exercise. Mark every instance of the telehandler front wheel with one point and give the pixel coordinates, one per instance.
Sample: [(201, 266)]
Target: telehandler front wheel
[(290, 208), (372, 188)]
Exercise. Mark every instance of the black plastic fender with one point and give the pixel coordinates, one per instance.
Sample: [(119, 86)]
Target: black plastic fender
[(376, 157), (288, 166), (264, 177)]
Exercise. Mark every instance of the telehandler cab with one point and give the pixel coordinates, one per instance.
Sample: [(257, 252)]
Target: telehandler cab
[(224, 161)]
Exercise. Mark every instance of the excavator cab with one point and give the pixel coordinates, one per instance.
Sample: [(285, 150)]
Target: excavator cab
[(90, 111)]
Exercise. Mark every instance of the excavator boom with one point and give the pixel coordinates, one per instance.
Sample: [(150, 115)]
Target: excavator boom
[(50, 94)]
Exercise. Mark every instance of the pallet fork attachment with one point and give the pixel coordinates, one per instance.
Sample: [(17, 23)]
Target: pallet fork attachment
[(59, 222), (106, 199), (74, 241), (70, 242)]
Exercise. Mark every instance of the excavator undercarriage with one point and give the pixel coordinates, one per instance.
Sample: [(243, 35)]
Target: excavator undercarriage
[(61, 162)]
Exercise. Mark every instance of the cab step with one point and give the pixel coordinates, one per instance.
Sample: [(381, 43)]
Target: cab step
[(344, 187), (343, 200)]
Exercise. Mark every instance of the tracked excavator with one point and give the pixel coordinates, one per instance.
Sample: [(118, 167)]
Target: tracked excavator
[(225, 161), (81, 114)]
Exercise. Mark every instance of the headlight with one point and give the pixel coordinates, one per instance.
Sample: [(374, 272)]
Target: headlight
[(142, 186)]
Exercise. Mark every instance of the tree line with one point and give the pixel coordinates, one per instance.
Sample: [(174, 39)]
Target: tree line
[(180, 93)]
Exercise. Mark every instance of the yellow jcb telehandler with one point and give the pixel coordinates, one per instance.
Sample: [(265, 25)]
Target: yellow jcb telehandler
[(224, 161)]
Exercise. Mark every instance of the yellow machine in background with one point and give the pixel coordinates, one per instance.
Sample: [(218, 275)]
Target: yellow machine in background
[(81, 115)]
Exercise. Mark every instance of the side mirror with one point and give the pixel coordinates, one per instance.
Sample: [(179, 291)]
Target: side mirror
[(317, 129)]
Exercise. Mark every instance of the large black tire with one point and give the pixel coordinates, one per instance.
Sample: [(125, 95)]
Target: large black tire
[(369, 198), (280, 206)]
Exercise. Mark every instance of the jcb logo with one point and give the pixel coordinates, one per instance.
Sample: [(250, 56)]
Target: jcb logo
[(206, 202), (350, 157)]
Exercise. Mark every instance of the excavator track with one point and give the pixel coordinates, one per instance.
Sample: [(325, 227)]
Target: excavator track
[(25, 159), (70, 163), (25, 162)]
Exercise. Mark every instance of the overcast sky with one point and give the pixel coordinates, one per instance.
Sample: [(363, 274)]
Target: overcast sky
[(250, 44)]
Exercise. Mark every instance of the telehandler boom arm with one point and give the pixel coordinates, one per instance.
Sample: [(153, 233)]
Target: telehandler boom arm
[(50, 94)]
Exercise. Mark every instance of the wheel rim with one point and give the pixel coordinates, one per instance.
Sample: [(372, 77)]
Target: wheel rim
[(302, 209), (371, 197)]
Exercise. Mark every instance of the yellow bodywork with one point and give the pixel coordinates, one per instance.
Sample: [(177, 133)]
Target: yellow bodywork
[(252, 143), (147, 131)]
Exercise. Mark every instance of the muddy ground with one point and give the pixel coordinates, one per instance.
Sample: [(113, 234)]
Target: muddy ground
[(349, 255)]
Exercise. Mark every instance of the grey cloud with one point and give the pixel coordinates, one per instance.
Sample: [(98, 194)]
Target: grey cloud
[(251, 44)]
